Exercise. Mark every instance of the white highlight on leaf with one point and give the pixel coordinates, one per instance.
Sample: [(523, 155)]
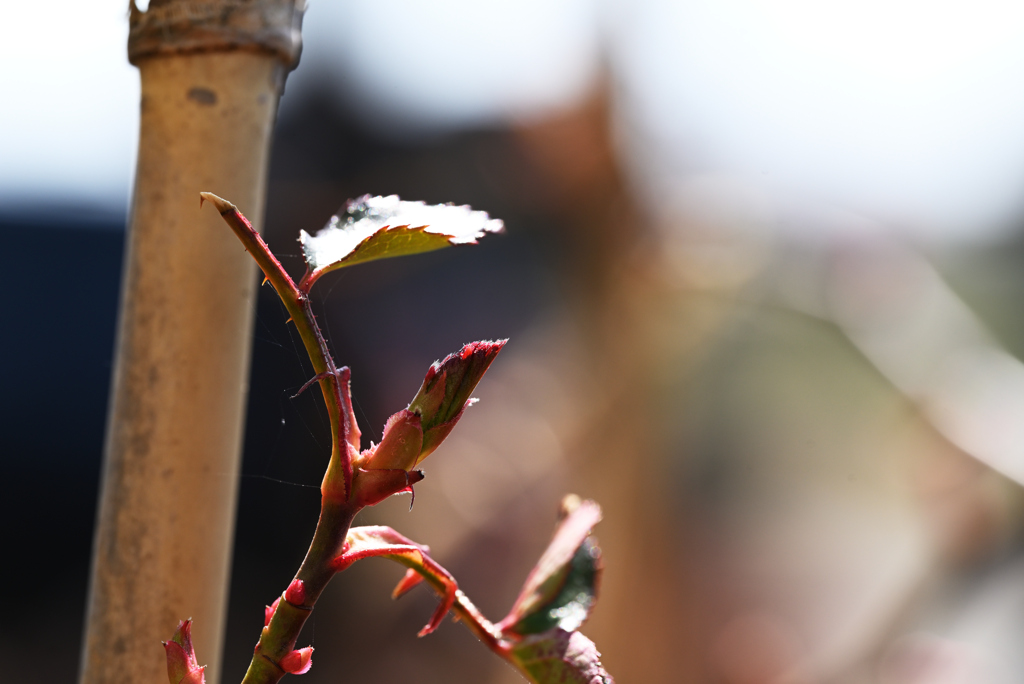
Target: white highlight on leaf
[(367, 215)]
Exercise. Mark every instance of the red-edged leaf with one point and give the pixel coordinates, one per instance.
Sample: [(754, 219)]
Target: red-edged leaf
[(562, 588), (366, 542), (377, 227)]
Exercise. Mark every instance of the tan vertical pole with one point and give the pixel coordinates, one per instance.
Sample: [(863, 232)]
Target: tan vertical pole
[(211, 72)]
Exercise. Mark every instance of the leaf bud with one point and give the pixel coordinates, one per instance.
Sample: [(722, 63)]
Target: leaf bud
[(298, 662)]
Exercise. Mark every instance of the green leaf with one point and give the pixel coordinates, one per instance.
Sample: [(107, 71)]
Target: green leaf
[(562, 588), (571, 605), (560, 657), (379, 227)]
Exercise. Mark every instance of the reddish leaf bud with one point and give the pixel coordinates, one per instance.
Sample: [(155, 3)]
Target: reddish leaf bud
[(412, 434), (295, 594), (446, 389), (298, 662), (177, 662), (182, 667), (268, 611), (400, 446)]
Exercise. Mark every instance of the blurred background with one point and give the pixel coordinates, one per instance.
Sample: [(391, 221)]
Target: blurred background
[(761, 276)]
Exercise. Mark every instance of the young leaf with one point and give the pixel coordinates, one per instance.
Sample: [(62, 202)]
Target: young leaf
[(560, 657), (570, 607), (445, 391), (562, 588), (379, 227)]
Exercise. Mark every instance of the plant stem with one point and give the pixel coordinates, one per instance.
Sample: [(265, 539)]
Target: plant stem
[(278, 638), (336, 511), (481, 627), (297, 302)]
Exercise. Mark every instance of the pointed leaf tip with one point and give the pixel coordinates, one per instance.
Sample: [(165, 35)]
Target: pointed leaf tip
[(378, 227), (182, 667), (446, 387), (183, 635)]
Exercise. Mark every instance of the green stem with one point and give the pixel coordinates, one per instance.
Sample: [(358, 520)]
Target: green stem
[(278, 638)]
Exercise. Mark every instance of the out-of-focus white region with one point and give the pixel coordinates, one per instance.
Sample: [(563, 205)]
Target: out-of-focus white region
[(906, 110), (69, 103), (914, 329), (424, 67)]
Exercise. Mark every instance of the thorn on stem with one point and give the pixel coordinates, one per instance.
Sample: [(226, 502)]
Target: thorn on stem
[(316, 378)]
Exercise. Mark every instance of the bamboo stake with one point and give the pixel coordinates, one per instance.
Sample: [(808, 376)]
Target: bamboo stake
[(211, 78)]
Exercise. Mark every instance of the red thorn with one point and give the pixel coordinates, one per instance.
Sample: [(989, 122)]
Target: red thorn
[(315, 378)]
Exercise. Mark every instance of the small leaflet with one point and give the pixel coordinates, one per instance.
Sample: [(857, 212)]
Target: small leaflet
[(378, 227)]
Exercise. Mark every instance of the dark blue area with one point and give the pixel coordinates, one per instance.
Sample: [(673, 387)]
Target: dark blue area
[(61, 281)]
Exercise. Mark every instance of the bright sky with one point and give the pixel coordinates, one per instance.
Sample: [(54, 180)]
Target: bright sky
[(69, 113), (902, 108), (898, 108)]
